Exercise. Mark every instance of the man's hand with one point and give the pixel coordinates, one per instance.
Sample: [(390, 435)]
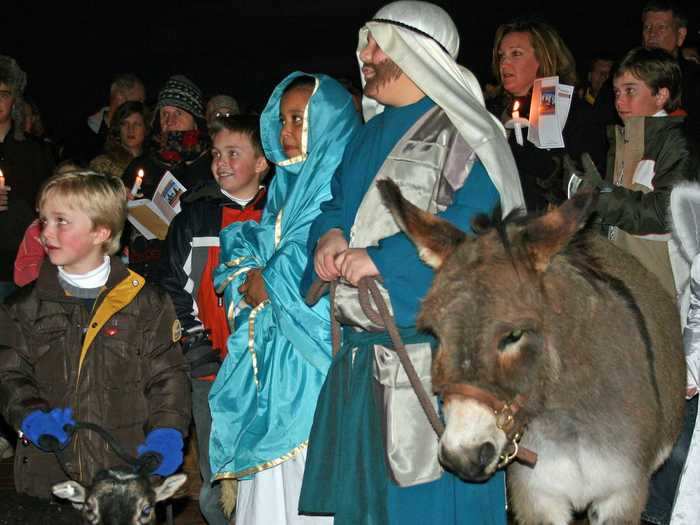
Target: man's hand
[(4, 197), (253, 289), (328, 248), (354, 264)]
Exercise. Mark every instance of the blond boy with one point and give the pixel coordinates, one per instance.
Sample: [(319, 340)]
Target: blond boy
[(89, 341)]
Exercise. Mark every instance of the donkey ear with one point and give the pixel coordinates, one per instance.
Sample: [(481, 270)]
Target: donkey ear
[(548, 235), (169, 486), (70, 490), (435, 238)]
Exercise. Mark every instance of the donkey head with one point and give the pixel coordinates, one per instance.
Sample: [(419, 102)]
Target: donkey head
[(119, 497), (487, 307)]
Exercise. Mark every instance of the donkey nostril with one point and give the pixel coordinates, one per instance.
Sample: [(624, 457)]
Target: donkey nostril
[(486, 454)]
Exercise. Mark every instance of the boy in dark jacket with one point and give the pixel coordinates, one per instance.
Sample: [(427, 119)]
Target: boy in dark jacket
[(190, 257), (89, 341)]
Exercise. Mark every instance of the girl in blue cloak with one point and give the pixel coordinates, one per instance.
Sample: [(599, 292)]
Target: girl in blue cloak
[(264, 396)]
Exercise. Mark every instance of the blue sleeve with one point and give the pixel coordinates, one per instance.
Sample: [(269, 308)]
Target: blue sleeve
[(406, 277), (331, 217)]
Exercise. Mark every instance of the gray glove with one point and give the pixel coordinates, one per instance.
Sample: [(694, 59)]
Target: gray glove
[(590, 176)]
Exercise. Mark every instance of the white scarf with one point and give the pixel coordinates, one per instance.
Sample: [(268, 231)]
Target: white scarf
[(452, 87), (92, 279)]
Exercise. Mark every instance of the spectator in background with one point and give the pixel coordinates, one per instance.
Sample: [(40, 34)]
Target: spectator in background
[(25, 165), (690, 53), (181, 146), (125, 140), (665, 26), (234, 194), (598, 74), (221, 106), (34, 128), (89, 140), (523, 51)]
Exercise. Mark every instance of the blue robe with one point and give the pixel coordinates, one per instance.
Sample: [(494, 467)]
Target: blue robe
[(351, 405), (264, 396)]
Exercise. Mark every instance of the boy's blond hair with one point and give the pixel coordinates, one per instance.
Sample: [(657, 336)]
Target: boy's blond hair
[(101, 197)]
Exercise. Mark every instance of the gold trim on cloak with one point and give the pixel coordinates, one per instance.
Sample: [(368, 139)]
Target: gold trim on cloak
[(263, 466)]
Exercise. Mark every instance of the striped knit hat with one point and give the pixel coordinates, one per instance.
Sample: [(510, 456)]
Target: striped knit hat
[(180, 92)]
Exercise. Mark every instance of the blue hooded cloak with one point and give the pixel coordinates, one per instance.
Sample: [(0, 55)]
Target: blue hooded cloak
[(264, 397)]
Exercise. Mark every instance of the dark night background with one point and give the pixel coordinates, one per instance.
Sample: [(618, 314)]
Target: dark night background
[(71, 50)]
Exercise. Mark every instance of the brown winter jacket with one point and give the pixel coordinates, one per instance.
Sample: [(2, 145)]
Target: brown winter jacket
[(119, 366)]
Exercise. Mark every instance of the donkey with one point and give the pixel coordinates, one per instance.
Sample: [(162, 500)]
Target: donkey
[(577, 339), (119, 497)]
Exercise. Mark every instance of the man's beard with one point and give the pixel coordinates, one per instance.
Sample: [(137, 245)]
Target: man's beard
[(385, 73)]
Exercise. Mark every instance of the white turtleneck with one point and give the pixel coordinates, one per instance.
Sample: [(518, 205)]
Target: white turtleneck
[(241, 202), (92, 279)]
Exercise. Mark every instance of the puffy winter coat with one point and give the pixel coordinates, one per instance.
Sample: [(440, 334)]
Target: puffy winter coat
[(119, 366)]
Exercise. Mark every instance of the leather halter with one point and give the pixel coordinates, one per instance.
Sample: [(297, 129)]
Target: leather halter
[(506, 419)]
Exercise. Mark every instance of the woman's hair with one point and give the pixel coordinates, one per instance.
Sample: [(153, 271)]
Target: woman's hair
[(122, 113), (304, 81), (550, 50), (657, 69), (101, 197)]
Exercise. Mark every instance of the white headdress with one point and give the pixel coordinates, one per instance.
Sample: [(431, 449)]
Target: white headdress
[(423, 41)]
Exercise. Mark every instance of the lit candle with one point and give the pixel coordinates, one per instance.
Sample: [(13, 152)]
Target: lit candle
[(516, 123), (137, 183), (2, 185)]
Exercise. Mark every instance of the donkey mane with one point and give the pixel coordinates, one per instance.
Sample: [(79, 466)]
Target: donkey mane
[(577, 252)]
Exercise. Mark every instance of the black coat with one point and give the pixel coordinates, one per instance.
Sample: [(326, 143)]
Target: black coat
[(144, 255), (541, 170), (26, 165)]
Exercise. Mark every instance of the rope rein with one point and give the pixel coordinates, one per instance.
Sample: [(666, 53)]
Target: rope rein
[(506, 413)]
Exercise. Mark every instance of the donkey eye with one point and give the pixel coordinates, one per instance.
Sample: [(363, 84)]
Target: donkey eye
[(510, 339), (146, 511)]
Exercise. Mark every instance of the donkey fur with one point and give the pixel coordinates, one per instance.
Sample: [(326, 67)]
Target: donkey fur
[(546, 308)]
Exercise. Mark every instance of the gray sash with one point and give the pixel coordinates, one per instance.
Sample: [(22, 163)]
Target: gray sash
[(430, 163)]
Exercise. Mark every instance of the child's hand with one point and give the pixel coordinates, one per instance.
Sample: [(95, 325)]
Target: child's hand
[(253, 289), (53, 424), (168, 443)]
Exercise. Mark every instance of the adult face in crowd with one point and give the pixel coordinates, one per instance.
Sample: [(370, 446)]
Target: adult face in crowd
[(7, 100), (135, 93), (176, 119), (524, 51), (130, 120), (384, 80), (600, 72), (124, 88), (663, 30), (221, 106)]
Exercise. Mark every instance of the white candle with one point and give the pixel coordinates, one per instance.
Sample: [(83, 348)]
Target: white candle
[(516, 123), (2, 180), (137, 183)]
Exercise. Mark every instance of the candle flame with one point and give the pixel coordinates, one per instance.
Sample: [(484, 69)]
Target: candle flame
[(140, 174), (516, 106)]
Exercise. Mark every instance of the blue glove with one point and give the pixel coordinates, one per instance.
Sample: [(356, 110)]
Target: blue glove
[(168, 443), (53, 424)]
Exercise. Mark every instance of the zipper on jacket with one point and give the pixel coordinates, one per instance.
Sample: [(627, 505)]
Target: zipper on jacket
[(77, 382)]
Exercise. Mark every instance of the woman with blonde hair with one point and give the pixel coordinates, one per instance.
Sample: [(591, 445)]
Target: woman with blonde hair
[(523, 51)]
